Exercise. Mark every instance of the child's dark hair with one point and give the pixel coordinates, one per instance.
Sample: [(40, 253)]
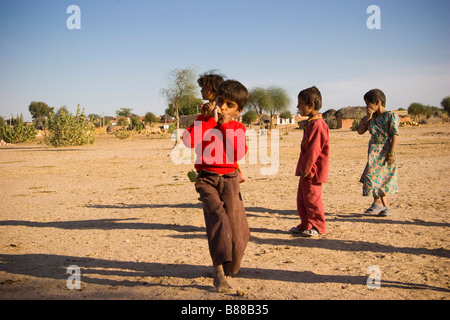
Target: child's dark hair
[(311, 95), (235, 91), (375, 94), (210, 79)]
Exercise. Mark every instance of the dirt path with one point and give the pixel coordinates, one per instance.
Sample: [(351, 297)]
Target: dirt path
[(130, 220)]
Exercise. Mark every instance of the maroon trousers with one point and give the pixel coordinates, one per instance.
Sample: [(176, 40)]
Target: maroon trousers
[(309, 206), (226, 222)]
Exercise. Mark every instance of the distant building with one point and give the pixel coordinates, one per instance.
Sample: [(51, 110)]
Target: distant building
[(346, 116), (277, 120)]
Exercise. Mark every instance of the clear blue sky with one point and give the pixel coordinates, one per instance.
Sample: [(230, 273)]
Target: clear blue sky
[(124, 50)]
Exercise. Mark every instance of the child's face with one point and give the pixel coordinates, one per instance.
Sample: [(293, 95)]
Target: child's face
[(306, 110), (207, 94), (373, 107), (228, 109)]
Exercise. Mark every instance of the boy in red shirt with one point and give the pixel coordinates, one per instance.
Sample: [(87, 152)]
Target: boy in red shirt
[(219, 143), (312, 167)]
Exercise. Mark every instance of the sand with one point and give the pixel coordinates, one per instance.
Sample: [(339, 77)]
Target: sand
[(130, 220)]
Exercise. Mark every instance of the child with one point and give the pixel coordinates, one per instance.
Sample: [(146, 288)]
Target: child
[(208, 82), (380, 175), (219, 143), (312, 165)]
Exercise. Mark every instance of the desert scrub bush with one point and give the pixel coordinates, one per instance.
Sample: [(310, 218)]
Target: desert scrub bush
[(123, 133), (64, 129), (19, 132), (136, 125), (357, 120), (331, 121)]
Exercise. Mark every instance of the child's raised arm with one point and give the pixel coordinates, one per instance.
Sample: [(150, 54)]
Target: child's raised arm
[(364, 124)]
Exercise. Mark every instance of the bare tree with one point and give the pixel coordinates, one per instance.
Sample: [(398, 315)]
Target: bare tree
[(182, 82)]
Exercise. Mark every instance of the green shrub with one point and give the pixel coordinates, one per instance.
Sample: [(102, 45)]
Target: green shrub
[(136, 125), (172, 128), (123, 133), (331, 121), (19, 132), (68, 130), (357, 120), (249, 117)]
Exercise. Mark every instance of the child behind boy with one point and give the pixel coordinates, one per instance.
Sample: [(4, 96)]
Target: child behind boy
[(208, 82), (219, 143), (312, 166)]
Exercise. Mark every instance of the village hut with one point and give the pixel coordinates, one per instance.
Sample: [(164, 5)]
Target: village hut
[(166, 119), (329, 117), (187, 120), (346, 116)]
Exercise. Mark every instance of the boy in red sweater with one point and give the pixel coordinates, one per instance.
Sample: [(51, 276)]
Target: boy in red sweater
[(312, 167), (219, 143)]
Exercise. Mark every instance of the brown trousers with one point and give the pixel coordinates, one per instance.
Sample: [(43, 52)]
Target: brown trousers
[(226, 222)]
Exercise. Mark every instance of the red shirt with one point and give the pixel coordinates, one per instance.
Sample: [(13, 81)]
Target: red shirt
[(315, 151), (218, 147)]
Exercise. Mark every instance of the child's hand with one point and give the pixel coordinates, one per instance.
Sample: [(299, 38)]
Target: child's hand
[(215, 113), (369, 113), (390, 159), (206, 108), (304, 175)]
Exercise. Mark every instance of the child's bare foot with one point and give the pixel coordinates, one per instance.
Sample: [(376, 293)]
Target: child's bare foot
[(220, 282)]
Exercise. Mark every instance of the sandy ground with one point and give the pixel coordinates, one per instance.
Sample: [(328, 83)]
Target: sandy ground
[(129, 218)]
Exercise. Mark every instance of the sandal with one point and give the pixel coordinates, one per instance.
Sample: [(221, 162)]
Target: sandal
[(374, 208), (385, 213), (294, 230), (310, 233)]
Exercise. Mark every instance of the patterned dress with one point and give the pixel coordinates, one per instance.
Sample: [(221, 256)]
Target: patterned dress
[(379, 177)]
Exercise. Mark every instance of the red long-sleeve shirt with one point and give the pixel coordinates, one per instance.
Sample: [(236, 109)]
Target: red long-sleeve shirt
[(218, 147), (315, 152)]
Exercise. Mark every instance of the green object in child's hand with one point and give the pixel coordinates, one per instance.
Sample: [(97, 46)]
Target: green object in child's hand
[(192, 175)]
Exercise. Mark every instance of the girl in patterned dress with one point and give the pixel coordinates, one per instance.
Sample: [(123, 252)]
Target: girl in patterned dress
[(379, 178)]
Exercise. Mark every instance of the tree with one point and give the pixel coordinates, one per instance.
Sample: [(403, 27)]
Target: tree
[(136, 125), (259, 100), (249, 117), (415, 109), (272, 100), (188, 104), (280, 101), (96, 119), (286, 115), (445, 103), (124, 112), (418, 109), (150, 118), (62, 109), (182, 82), (39, 109), (39, 112)]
